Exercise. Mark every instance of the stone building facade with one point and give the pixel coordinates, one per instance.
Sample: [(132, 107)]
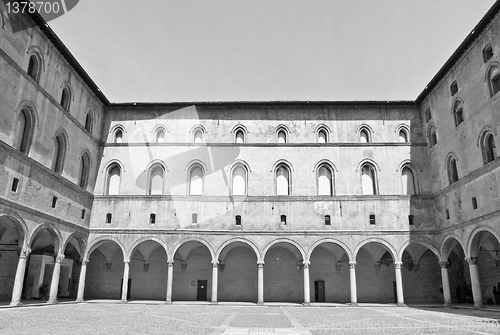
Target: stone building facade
[(390, 202)]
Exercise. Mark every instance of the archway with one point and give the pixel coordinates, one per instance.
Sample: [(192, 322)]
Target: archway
[(485, 248), (422, 283), (237, 273), (283, 273), (192, 273), (375, 273), (71, 266), (458, 272), (104, 276), (148, 268), (329, 274), (12, 238)]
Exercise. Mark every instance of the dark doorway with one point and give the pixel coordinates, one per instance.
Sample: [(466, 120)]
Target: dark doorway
[(319, 291), (202, 290), (129, 288)]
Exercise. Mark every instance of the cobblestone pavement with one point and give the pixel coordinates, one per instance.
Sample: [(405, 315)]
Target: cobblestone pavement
[(133, 318)]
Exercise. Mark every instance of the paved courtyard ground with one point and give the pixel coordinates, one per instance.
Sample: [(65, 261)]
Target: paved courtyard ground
[(148, 318)]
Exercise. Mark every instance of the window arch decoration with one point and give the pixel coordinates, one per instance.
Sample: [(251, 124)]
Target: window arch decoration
[(85, 167), (24, 127), (325, 185), (369, 178), (89, 121), (239, 133), (492, 78), (282, 134), (283, 184), (322, 133), (115, 132), (403, 133), (452, 168), (196, 177), (159, 133), (458, 112), (156, 171), (66, 96), (198, 133), (36, 63), (60, 147), (112, 178), (486, 142), (432, 135), (412, 186), (364, 132), (239, 170)]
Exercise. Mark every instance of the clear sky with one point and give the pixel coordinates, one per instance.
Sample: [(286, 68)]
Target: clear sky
[(265, 50)]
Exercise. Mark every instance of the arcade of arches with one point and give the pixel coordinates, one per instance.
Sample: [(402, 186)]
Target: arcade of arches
[(40, 263)]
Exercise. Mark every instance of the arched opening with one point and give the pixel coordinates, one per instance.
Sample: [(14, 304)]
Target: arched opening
[(494, 80), (322, 136), (114, 178), (488, 148), (364, 136), (237, 273), (432, 136), (118, 138), (239, 181), (156, 181), (70, 268), (452, 170), (84, 171), (192, 278), (458, 273), (88, 122), (325, 181), (148, 272), (421, 274), (104, 276), (403, 136), (198, 136), (11, 243), (458, 113), (282, 136), (44, 249), (196, 181), (283, 274), (408, 181), (58, 154), (486, 247), (34, 67), (240, 136), (329, 274), (375, 274), (65, 98), (368, 180), (24, 129), (160, 136), (283, 180)]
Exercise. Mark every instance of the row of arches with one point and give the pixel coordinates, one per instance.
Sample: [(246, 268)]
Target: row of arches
[(281, 132), (325, 171)]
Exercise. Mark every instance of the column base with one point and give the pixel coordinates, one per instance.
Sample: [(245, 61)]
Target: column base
[(16, 304), (52, 302), (354, 304), (478, 306), (168, 302), (306, 304), (260, 303), (214, 302), (123, 301), (447, 304), (401, 304), (79, 300)]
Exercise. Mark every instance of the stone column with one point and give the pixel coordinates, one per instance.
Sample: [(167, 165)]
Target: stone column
[(19, 281), (126, 269), (170, 279), (307, 293), (446, 282), (54, 284), (215, 280), (474, 280), (260, 283), (399, 283), (352, 273), (81, 281)]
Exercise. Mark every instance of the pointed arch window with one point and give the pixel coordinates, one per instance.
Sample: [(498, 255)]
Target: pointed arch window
[(58, 154), (325, 180), (160, 135), (283, 185), (322, 136), (118, 136), (452, 170), (454, 88), (403, 135), (65, 98), (458, 112), (198, 136), (84, 171), (368, 180), (239, 136), (488, 147), (34, 67), (408, 181), (432, 136), (364, 135), (239, 181), (156, 180), (24, 131), (494, 80), (196, 181), (88, 122), (114, 179), (282, 135), (428, 115)]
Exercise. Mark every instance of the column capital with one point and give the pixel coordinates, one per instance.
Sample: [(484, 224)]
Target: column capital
[(126, 262), (352, 264), (170, 263), (260, 264), (215, 264), (25, 252), (84, 262), (398, 264), (59, 258), (471, 260), (444, 264), (306, 264)]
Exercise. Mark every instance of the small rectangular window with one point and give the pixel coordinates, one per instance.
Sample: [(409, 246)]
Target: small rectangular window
[(453, 88), (372, 219), (238, 220), (327, 220), (283, 219), (54, 202), (474, 203), (83, 214), (447, 212), (15, 183), (411, 220), (108, 218), (152, 218), (194, 218)]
